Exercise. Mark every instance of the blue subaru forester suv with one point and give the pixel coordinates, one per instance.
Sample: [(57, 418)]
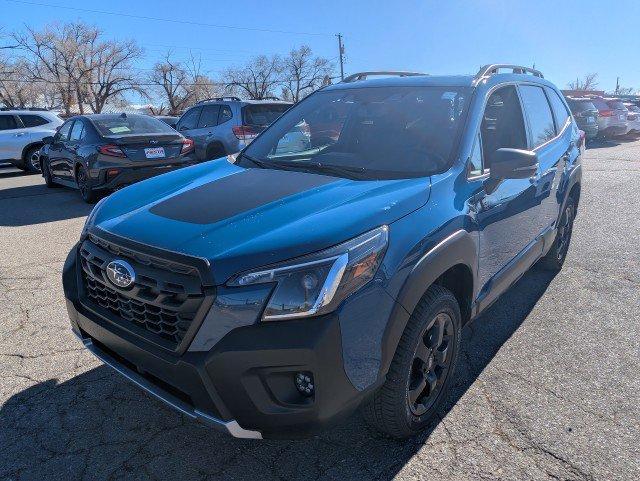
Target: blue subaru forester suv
[(272, 294)]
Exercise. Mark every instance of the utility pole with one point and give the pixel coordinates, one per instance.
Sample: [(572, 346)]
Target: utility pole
[(341, 52), (617, 85)]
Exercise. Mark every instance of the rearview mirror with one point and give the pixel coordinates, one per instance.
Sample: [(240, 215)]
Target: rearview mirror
[(48, 139), (513, 164)]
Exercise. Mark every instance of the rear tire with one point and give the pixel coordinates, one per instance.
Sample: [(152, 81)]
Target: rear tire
[(89, 195), (556, 256), (422, 368), (46, 173)]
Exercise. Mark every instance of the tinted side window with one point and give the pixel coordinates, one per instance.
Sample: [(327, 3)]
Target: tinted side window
[(189, 120), (225, 114), (209, 116), (539, 114), (502, 123), (32, 120), (560, 112), (8, 122), (77, 132), (63, 132)]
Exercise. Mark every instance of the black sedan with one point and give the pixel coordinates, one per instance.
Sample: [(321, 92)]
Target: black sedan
[(103, 152)]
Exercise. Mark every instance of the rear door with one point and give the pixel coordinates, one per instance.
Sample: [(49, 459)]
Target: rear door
[(550, 137)]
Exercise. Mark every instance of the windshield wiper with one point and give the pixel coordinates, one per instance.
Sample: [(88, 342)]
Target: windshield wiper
[(253, 160)]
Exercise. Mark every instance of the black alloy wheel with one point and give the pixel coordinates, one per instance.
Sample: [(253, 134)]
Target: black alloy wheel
[(431, 364), (82, 179)]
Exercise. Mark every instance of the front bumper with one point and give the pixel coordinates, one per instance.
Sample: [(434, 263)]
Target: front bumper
[(244, 384), (230, 427)]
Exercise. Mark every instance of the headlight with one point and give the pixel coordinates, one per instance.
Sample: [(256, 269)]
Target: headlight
[(317, 283), (91, 217)]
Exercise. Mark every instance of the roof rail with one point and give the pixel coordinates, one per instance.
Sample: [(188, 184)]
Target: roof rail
[(219, 99), (492, 69), (363, 75)]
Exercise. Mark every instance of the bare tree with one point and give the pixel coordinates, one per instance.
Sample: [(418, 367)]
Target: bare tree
[(303, 73), (16, 89), (201, 86), (109, 72), (256, 80), (170, 81), (84, 68), (57, 57), (588, 82)]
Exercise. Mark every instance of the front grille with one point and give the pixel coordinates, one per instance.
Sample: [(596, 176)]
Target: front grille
[(161, 305)]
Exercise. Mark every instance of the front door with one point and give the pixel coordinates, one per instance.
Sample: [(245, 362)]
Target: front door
[(508, 215)]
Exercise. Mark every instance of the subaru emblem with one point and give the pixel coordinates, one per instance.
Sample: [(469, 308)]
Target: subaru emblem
[(121, 274)]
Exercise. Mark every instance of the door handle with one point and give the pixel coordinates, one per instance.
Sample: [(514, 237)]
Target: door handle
[(20, 134)]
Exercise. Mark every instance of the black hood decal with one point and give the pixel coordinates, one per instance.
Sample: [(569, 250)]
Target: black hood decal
[(236, 193)]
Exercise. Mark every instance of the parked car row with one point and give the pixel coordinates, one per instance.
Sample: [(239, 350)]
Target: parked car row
[(99, 153), (605, 117)]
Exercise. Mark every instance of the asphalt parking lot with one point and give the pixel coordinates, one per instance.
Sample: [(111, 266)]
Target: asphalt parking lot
[(548, 386)]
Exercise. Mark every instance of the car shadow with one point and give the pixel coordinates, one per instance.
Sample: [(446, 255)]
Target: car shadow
[(37, 204), (100, 425)]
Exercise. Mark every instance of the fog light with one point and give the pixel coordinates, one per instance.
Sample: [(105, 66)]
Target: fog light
[(304, 383)]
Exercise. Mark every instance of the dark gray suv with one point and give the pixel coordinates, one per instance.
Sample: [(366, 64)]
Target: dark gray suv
[(225, 125)]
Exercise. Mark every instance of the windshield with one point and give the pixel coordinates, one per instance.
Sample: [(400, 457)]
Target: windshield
[(368, 133), (130, 125)]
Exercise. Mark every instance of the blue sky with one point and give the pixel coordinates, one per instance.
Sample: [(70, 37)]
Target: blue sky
[(563, 39)]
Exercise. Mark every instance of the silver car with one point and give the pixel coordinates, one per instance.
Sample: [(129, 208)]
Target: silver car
[(21, 135), (612, 117), (633, 118), (225, 125)]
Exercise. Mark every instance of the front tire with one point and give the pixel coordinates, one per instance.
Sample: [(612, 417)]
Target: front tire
[(86, 191), (422, 367), (32, 160)]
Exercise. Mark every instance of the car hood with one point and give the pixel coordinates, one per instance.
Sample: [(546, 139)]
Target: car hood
[(239, 218)]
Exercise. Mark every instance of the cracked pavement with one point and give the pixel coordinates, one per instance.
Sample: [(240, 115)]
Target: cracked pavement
[(547, 387)]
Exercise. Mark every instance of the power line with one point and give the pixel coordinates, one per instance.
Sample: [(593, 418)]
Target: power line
[(160, 19), (138, 84)]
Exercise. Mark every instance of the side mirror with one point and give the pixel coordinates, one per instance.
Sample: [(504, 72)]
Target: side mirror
[(513, 164), (48, 139)]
